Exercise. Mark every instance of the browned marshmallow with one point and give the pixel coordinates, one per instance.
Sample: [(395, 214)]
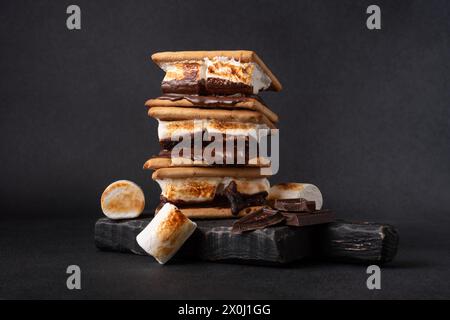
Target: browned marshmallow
[(122, 199), (166, 233)]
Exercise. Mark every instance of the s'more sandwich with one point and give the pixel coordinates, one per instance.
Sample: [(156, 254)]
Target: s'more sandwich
[(210, 193), (229, 125), (223, 72)]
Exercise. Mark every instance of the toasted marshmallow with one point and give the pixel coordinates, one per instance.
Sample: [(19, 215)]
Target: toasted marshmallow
[(122, 199), (169, 129), (203, 189), (166, 233), (296, 190), (235, 71), (192, 70), (182, 161), (233, 128), (224, 68)]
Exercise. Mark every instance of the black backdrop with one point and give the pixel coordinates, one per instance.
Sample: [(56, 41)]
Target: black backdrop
[(364, 114)]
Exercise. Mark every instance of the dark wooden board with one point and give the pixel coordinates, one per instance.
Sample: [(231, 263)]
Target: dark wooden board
[(214, 241)]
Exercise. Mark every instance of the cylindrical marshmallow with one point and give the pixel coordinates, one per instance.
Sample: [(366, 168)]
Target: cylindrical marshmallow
[(166, 233)]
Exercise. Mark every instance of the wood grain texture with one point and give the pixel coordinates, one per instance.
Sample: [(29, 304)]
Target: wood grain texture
[(359, 242)]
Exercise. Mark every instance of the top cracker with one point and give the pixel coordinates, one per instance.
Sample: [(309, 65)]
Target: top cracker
[(215, 72)]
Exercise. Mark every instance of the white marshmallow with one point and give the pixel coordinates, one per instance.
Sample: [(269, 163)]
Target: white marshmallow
[(166, 233)]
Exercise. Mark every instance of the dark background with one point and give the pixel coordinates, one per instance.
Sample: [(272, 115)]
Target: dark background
[(364, 116)]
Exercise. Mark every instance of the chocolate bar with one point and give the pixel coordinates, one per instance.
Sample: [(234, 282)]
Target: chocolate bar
[(301, 219), (258, 220), (296, 205)]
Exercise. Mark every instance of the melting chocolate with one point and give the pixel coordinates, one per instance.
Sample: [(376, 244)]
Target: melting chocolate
[(215, 86), (220, 201), (239, 157), (222, 86), (238, 201), (169, 144), (210, 101)]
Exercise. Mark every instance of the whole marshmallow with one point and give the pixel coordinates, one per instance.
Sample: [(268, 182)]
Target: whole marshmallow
[(296, 190), (166, 233), (123, 199)]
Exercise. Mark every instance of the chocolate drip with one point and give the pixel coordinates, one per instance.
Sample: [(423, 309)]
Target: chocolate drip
[(211, 101)]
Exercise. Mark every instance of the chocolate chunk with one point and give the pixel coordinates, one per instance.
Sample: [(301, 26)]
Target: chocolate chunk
[(297, 205), (258, 220), (238, 201), (235, 199), (300, 219)]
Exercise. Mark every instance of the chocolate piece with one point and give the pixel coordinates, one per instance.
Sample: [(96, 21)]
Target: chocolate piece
[(238, 201), (301, 219), (235, 199), (297, 205), (258, 220), (356, 242)]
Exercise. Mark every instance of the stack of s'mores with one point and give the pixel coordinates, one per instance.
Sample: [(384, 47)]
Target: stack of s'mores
[(208, 118)]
